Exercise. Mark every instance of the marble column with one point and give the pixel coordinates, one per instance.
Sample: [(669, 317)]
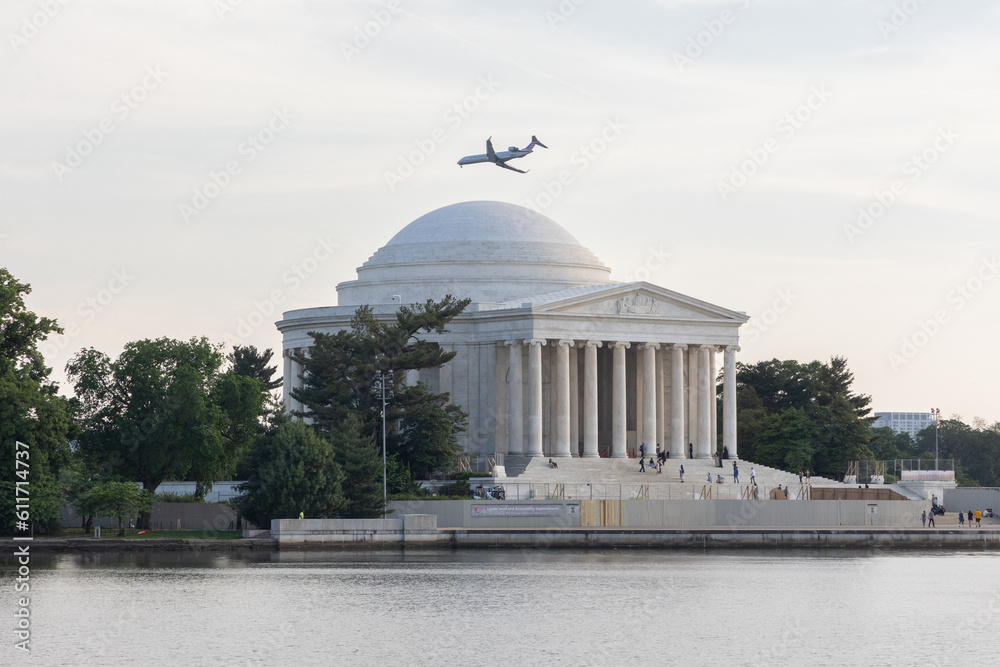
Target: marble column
[(729, 400), (515, 407), (534, 407), (590, 399), (649, 395), (574, 401), (286, 387), (560, 417), (618, 402), (660, 418), (705, 399), (678, 448), (694, 383), (713, 428)]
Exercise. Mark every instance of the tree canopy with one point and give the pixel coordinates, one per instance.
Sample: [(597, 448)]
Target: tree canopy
[(797, 416), (30, 410), (164, 410), (339, 379)]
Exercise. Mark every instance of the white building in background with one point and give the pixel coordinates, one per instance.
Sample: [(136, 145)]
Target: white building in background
[(904, 422), (553, 358)]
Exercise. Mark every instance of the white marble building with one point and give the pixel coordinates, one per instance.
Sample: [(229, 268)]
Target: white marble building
[(553, 358)]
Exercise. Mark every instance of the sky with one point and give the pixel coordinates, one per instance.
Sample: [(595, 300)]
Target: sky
[(197, 167)]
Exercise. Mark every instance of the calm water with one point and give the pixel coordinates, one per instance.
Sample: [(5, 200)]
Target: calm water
[(511, 608)]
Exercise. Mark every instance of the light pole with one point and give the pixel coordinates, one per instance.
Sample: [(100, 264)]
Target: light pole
[(383, 385), (936, 416)]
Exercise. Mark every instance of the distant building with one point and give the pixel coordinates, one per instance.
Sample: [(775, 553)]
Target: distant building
[(904, 422)]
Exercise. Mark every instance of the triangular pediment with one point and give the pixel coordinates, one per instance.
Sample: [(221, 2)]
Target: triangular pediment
[(636, 300)]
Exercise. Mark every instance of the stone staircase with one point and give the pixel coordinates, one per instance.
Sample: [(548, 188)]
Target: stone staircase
[(626, 471)]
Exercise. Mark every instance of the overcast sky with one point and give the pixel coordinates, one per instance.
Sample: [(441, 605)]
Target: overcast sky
[(829, 167)]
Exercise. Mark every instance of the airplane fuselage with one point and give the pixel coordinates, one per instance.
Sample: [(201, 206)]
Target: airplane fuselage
[(502, 156)]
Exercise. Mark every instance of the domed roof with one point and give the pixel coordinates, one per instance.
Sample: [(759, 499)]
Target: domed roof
[(483, 250)]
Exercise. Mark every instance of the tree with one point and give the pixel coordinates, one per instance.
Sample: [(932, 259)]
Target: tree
[(339, 376), (248, 362), (163, 410), (30, 413), (115, 499), (293, 470), (362, 465), (821, 393)]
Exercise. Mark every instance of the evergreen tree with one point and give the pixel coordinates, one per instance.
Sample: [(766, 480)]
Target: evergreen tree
[(293, 470), (362, 466)]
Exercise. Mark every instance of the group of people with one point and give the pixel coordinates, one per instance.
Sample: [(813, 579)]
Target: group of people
[(657, 463), (927, 519)]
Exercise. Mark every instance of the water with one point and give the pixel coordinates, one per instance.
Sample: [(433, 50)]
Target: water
[(510, 607)]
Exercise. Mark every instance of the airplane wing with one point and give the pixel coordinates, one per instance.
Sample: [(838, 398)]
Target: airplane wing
[(490, 153), (507, 166)]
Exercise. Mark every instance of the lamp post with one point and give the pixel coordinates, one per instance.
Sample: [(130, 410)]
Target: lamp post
[(936, 416), (383, 385)]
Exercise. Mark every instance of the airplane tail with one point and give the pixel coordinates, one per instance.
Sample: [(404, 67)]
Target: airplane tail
[(536, 142)]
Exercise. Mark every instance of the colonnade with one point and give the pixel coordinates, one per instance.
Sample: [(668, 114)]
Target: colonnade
[(674, 408)]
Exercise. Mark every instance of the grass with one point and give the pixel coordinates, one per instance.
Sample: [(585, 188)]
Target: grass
[(133, 534)]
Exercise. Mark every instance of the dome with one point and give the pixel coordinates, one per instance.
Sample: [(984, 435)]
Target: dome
[(483, 250)]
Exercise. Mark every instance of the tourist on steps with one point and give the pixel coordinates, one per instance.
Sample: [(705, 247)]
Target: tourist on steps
[(682, 478)]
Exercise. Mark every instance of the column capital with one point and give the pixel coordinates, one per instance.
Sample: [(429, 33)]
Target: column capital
[(620, 343), (534, 341), (731, 348), (649, 346), (680, 346), (592, 343), (566, 342), (512, 342)]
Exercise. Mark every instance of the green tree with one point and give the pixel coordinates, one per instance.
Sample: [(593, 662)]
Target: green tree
[(248, 362), (887, 445), (163, 410), (116, 499), (30, 413), (293, 470), (823, 393), (338, 384), (362, 465)]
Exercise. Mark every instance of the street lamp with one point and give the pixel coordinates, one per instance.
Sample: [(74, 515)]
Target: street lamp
[(936, 416), (383, 387)]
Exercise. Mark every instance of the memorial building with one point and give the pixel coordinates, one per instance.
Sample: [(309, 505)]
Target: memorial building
[(554, 359)]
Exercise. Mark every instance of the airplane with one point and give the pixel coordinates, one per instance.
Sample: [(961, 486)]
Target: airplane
[(500, 159)]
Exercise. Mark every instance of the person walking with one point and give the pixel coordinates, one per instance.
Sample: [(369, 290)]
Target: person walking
[(807, 476), (736, 474), (642, 464), (969, 514), (642, 450), (682, 473), (979, 516), (690, 450), (930, 519), (753, 475), (961, 520), (800, 478), (709, 476), (923, 518)]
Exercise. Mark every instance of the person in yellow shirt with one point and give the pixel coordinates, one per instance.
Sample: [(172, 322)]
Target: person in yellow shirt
[(979, 517)]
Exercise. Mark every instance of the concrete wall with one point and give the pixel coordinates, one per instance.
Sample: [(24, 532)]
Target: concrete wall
[(964, 499), (495, 513), (668, 513), (399, 531), (192, 516)]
